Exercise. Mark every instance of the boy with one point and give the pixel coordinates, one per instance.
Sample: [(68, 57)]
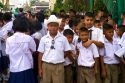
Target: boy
[(87, 59), (97, 24), (96, 37), (121, 52), (109, 62), (69, 61), (51, 50)]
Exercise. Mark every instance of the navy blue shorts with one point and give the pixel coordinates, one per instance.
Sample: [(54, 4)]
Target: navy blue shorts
[(22, 77)]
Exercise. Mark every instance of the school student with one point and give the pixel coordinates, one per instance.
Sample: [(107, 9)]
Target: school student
[(87, 59), (19, 47), (95, 36), (69, 61), (51, 50), (120, 53), (110, 63)]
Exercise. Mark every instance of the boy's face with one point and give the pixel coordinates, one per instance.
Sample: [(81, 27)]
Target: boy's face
[(109, 33), (119, 32), (98, 25), (62, 24), (88, 21), (69, 38), (84, 36), (53, 28)]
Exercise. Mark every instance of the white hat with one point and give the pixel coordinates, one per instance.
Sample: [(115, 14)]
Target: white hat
[(52, 18)]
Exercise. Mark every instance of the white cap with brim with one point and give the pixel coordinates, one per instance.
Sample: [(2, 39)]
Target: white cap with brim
[(52, 19)]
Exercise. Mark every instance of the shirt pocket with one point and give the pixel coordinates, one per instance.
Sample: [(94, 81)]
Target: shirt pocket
[(59, 45)]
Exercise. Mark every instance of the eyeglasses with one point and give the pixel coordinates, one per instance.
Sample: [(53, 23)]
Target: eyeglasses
[(52, 46)]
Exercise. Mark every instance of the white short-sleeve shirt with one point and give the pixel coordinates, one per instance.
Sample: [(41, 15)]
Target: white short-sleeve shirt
[(108, 52), (19, 47), (97, 34), (73, 50), (55, 55), (87, 55)]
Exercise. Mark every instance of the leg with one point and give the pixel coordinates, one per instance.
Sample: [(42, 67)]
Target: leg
[(68, 74), (108, 74), (90, 75), (58, 73), (80, 75), (46, 73)]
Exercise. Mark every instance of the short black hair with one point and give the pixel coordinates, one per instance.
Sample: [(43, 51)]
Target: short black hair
[(72, 10), (62, 10), (20, 9), (97, 21), (121, 28), (21, 24), (107, 26), (83, 29), (7, 16), (89, 14), (68, 32)]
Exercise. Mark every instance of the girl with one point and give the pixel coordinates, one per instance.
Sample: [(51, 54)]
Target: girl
[(19, 47)]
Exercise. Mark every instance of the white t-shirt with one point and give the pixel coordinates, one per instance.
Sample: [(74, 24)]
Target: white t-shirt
[(87, 55), (55, 55), (19, 47)]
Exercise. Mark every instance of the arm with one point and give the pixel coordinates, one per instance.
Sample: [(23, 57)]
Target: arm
[(103, 67), (96, 65), (40, 64), (69, 55), (98, 44)]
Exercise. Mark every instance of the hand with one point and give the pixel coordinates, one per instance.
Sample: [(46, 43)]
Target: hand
[(88, 43), (104, 73)]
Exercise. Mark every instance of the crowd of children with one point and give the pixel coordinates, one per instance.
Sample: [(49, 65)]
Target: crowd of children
[(62, 48)]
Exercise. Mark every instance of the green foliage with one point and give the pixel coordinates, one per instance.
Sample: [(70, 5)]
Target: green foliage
[(32, 2), (77, 5), (80, 5), (99, 5), (1, 5), (58, 6)]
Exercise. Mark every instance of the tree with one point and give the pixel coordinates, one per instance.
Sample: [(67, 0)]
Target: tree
[(58, 6), (78, 5), (1, 5)]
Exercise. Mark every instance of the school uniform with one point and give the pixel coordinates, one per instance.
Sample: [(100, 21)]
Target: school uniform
[(68, 66), (110, 60), (97, 35), (19, 47), (86, 63), (53, 57), (121, 54)]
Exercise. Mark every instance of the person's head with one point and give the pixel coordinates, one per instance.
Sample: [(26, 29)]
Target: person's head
[(100, 13), (88, 20), (84, 34), (21, 24), (72, 13), (120, 30), (97, 24), (62, 13), (40, 16), (20, 10), (62, 24), (108, 31), (7, 17), (69, 35), (53, 25), (123, 15)]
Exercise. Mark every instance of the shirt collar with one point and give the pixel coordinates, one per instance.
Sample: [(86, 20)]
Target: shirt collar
[(58, 35)]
